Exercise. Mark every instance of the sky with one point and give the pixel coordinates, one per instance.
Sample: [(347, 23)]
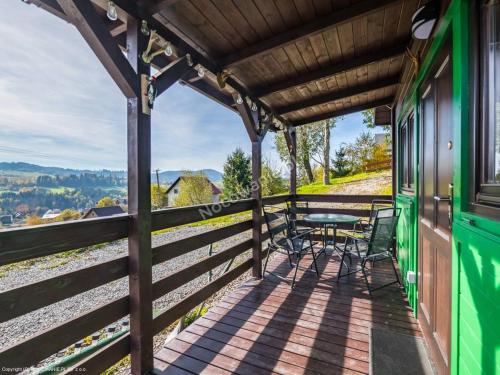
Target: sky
[(59, 106)]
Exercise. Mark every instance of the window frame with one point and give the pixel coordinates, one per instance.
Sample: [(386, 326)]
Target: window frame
[(484, 197), (406, 155)]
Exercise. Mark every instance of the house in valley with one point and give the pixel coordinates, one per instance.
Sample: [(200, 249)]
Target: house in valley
[(102, 212), (174, 190)]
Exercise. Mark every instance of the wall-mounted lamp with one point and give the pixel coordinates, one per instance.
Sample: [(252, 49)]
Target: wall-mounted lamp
[(424, 19)]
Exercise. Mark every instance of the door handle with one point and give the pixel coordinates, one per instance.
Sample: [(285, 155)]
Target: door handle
[(437, 198)]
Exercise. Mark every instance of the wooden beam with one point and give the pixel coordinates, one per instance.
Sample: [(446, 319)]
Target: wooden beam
[(314, 27), (339, 94), (84, 16), (171, 74), (336, 68), (139, 207), (249, 117), (159, 5), (394, 152), (291, 142), (357, 108)]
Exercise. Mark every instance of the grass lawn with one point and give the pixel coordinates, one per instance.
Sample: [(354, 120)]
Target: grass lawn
[(320, 188)]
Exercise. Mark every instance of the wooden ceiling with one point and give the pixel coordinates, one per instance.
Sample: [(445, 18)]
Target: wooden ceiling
[(302, 60)]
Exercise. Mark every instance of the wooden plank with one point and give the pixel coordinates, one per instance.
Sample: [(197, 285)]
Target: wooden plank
[(104, 358), (350, 109), (183, 307), (316, 26), (275, 199), (33, 349), (328, 210), (27, 298), (340, 94), (170, 74), (172, 217), (340, 198), (177, 248), (41, 240), (84, 16), (189, 273), (139, 206)]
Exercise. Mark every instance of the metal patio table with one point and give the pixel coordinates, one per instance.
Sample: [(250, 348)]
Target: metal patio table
[(331, 220)]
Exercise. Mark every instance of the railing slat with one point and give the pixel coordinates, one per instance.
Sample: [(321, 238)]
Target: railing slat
[(275, 199), (327, 210), (102, 359), (339, 198), (179, 278), (183, 307), (174, 249), (33, 242), (27, 298), (172, 217), (36, 348)]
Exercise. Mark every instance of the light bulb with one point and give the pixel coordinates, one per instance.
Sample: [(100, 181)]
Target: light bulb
[(168, 49), (201, 71), (254, 107), (112, 12), (239, 99)]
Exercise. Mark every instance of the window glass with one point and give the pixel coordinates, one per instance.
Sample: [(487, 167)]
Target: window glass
[(406, 154), (491, 69)]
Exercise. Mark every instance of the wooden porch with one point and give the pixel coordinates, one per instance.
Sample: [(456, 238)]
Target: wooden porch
[(263, 327)]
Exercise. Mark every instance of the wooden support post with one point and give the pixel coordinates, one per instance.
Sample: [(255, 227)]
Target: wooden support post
[(291, 141), (139, 207), (257, 209), (251, 122)]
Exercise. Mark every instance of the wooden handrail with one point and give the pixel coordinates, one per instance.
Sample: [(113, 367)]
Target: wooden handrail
[(339, 198), (41, 240)]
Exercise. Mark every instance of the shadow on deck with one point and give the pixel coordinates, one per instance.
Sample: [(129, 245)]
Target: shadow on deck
[(263, 327)]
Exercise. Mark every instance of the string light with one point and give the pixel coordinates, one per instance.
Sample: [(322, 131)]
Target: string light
[(112, 13), (239, 99), (168, 49), (254, 107), (200, 70)]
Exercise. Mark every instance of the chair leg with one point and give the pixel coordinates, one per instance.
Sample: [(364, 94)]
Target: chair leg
[(363, 264), (267, 259), (296, 268), (289, 258), (314, 262), (339, 275), (395, 271)]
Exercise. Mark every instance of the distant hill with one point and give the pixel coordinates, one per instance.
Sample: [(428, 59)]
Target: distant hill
[(8, 168)]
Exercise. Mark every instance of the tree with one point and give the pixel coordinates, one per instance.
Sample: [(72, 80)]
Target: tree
[(340, 163), (193, 189), (105, 202), (361, 151), (237, 179), (271, 180), (68, 214), (159, 198), (369, 121)]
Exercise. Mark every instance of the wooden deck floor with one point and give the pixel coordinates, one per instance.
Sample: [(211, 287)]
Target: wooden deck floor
[(263, 327)]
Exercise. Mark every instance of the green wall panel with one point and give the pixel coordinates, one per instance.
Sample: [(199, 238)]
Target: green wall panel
[(406, 241), (478, 300)]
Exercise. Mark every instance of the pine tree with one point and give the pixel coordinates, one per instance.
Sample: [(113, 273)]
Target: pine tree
[(340, 163), (237, 177)]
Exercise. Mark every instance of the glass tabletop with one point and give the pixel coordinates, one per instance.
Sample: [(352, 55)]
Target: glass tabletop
[(331, 218)]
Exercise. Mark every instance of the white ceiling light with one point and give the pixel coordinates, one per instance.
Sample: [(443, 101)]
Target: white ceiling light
[(423, 20), (112, 13)]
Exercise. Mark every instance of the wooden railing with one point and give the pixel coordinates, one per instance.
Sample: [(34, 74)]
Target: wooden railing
[(29, 243)]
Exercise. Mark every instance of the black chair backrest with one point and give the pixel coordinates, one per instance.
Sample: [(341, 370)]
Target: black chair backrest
[(298, 207), (384, 230), (378, 204), (277, 222)]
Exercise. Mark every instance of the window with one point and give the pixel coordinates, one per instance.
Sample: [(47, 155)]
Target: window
[(487, 132), (406, 154)]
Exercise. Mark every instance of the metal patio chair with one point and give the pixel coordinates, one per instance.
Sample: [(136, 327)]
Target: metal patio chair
[(283, 236), (376, 205), (375, 248), (297, 210)]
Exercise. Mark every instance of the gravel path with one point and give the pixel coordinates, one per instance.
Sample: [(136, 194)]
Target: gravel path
[(43, 268)]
